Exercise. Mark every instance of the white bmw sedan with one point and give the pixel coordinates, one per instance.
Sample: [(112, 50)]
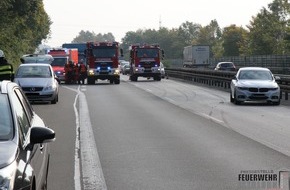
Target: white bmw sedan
[(254, 84)]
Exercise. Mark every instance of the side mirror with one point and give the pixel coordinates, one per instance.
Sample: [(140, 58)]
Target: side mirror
[(278, 79), (41, 135)]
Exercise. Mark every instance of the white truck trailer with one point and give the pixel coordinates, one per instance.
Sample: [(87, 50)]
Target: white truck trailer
[(196, 56)]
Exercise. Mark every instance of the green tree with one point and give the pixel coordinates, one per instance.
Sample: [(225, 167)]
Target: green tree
[(233, 39), (189, 32), (210, 35), (23, 25), (87, 36), (267, 30)]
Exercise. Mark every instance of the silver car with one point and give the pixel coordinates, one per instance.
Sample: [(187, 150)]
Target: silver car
[(254, 84), (162, 70), (38, 82), (25, 152)]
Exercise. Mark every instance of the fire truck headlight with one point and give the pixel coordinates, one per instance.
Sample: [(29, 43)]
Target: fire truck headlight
[(91, 72), (116, 72)]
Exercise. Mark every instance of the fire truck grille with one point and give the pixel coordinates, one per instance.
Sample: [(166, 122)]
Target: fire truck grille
[(147, 64)]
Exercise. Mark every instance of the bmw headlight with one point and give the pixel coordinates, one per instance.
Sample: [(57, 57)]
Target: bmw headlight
[(7, 176)]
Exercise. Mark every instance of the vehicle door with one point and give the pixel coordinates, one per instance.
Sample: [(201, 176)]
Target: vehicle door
[(35, 155)]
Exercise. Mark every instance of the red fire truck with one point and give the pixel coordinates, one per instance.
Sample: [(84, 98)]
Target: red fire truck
[(61, 57), (103, 59), (145, 61)]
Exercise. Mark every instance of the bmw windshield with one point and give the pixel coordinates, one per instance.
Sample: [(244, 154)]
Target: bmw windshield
[(255, 75), (6, 124)]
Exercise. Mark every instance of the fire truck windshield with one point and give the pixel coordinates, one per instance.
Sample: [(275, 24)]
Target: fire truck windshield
[(59, 61), (152, 53), (104, 52)]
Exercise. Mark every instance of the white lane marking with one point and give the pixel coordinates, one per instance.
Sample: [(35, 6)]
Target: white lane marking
[(148, 90), (77, 171), (210, 117), (77, 175), (169, 99), (83, 88), (86, 149), (92, 173)]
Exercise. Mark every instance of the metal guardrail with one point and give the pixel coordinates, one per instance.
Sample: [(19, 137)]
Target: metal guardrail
[(220, 79)]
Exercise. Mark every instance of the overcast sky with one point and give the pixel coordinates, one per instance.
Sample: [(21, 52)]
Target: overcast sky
[(121, 16)]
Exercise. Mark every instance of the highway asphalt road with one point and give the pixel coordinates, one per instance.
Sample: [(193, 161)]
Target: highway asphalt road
[(163, 135)]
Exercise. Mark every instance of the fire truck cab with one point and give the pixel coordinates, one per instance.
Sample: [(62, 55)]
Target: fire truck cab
[(103, 61), (145, 62), (61, 57)]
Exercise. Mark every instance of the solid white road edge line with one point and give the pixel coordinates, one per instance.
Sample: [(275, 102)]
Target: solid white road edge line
[(77, 176), (86, 154), (92, 173)]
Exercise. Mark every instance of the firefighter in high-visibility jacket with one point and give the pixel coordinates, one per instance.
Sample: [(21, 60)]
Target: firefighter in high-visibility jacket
[(82, 72), (6, 69)]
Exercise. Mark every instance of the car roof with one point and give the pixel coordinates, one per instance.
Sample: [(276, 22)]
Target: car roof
[(37, 55), (254, 68), (39, 58), (34, 64), (225, 62), (3, 86)]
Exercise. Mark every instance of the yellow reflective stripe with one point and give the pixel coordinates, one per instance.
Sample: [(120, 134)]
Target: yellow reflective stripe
[(5, 69)]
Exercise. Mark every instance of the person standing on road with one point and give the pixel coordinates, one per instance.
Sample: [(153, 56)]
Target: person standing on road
[(83, 72), (6, 69)]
